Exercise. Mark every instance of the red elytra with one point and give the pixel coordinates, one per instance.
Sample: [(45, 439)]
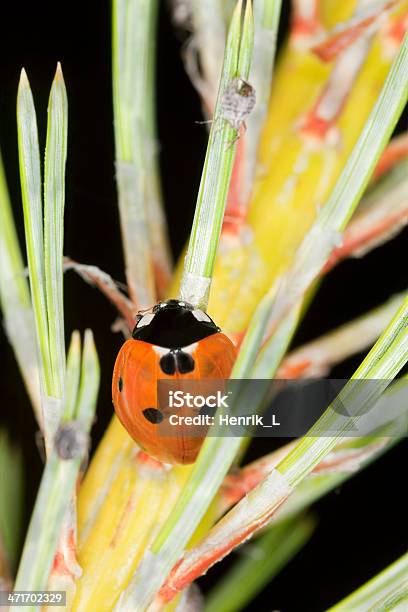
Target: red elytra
[(173, 341)]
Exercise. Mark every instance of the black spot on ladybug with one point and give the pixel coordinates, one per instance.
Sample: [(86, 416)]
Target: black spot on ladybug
[(120, 384), (208, 411), (185, 362), (168, 363), (153, 415)]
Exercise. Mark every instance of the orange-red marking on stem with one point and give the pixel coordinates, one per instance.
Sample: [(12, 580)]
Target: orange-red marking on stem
[(352, 243), (319, 124), (65, 558), (397, 29), (179, 580), (306, 22), (293, 370), (236, 209), (330, 48), (317, 127), (122, 522), (146, 460)]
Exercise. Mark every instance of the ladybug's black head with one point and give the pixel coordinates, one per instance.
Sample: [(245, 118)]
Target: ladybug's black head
[(173, 324)]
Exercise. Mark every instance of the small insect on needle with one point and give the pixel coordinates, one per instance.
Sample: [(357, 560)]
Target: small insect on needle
[(237, 102)]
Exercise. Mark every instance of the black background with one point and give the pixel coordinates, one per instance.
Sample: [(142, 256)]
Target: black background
[(362, 526)]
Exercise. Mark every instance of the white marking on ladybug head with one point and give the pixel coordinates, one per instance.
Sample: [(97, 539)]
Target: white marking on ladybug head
[(145, 320), (200, 315)]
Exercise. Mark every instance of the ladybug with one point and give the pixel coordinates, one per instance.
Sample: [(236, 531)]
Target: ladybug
[(172, 341)]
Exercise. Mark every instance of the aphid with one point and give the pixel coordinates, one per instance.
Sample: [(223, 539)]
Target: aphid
[(172, 341), (237, 102)]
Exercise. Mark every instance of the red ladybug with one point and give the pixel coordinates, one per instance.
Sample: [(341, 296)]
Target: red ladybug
[(172, 341)]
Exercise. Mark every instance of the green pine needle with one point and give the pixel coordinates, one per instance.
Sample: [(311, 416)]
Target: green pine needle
[(60, 473), (44, 236), (54, 201), (30, 176), (216, 176), (388, 356), (386, 591), (141, 216), (11, 498)]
